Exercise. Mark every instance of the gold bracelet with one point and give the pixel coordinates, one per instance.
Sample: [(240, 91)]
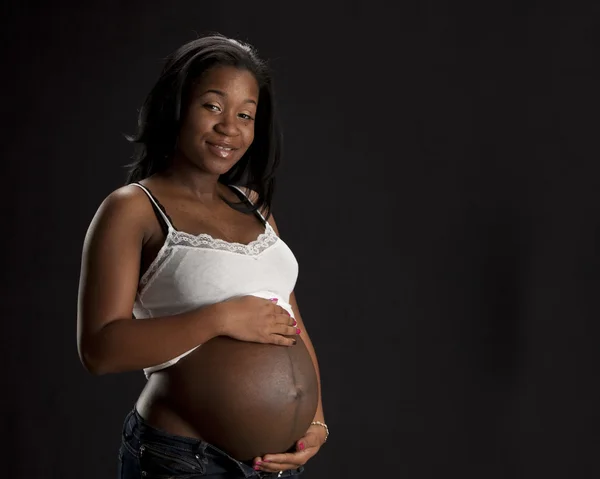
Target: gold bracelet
[(319, 423)]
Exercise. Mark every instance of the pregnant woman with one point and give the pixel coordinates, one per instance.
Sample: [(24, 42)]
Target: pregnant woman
[(184, 276)]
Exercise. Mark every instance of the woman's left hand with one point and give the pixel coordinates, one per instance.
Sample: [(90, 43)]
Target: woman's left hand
[(306, 447)]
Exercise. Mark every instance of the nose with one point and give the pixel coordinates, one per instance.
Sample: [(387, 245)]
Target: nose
[(227, 125)]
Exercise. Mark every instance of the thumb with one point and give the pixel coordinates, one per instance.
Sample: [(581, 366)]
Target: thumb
[(301, 444), (309, 440)]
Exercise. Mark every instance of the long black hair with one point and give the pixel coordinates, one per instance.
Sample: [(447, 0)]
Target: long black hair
[(165, 107)]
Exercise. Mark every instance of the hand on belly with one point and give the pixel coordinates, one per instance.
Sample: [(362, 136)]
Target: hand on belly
[(248, 399)]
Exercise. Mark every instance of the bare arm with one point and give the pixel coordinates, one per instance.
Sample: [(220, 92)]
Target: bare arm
[(304, 335), (319, 415), (108, 338)]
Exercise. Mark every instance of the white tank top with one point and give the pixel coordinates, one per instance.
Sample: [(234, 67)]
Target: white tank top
[(191, 271)]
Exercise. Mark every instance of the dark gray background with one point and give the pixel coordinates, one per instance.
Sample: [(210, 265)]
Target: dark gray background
[(439, 188)]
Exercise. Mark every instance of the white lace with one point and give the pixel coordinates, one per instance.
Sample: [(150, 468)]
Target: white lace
[(203, 240), (206, 241)]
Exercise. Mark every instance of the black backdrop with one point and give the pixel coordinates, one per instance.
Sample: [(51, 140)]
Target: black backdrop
[(439, 188)]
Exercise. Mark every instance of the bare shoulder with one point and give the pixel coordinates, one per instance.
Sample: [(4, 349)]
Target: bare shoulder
[(127, 206), (250, 194), (126, 198), (253, 196)]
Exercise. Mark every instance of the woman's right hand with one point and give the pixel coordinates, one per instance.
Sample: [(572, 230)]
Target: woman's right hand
[(258, 320)]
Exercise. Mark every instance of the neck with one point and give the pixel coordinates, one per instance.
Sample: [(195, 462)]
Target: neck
[(201, 184)]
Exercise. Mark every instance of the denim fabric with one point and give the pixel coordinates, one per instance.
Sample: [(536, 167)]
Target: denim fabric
[(149, 453)]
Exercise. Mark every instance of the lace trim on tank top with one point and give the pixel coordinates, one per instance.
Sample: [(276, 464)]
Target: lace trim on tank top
[(205, 241), (176, 238)]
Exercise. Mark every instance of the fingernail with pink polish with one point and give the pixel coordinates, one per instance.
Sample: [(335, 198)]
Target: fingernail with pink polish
[(301, 446), (295, 323), (273, 299), (298, 331)]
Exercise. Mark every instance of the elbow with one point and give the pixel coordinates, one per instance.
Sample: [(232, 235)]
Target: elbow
[(93, 362), (92, 365)]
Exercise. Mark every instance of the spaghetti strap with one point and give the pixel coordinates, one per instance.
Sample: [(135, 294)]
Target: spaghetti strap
[(248, 200), (158, 206)]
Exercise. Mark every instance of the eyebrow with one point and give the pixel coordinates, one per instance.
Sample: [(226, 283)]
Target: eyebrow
[(223, 94)]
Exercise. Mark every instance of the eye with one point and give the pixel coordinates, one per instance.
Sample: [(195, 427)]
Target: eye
[(243, 116), (212, 107)]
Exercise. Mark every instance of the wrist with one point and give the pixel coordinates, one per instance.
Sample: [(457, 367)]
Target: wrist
[(216, 318), (321, 429)]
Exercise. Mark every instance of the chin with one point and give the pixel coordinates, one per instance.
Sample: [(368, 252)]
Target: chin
[(219, 166)]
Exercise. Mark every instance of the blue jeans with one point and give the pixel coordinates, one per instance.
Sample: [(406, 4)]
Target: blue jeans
[(149, 453)]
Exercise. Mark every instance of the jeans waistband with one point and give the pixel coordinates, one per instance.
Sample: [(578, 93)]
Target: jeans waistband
[(139, 430)]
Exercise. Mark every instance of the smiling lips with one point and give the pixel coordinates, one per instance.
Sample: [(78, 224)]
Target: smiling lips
[(221, 150)]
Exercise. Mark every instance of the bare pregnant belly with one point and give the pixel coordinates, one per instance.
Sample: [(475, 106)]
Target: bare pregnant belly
[(247, 399)]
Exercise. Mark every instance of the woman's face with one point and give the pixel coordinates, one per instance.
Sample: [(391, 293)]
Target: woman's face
[(219, 125)]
